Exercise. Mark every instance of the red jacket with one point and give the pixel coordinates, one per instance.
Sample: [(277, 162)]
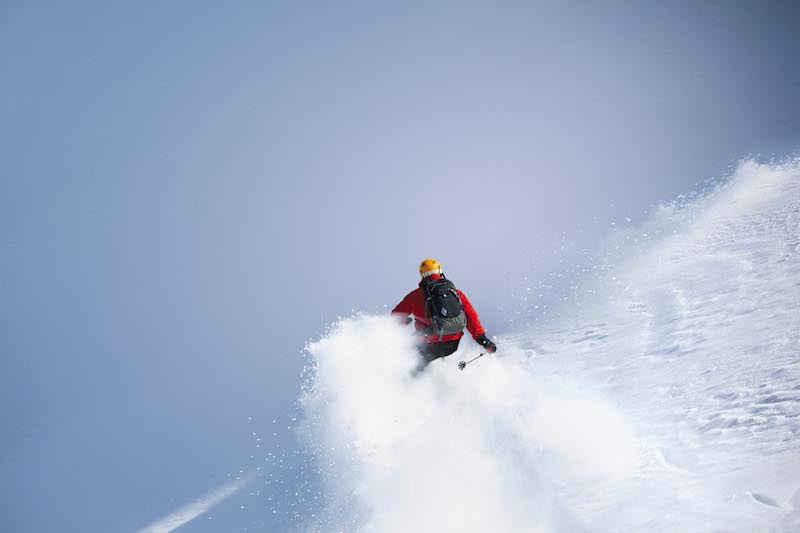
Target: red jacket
[(414, 304)]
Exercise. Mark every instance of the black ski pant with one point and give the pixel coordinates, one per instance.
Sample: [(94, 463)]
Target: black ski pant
[(430, 351)]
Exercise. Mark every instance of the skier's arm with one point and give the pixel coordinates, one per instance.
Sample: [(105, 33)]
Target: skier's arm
[(473, 323), (403, 309)]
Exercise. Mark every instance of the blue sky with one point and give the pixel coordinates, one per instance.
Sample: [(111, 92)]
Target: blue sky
[(192, 191)]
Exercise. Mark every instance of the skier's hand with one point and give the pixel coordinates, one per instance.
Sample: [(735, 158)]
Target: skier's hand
[(404, 319), (486, 343)]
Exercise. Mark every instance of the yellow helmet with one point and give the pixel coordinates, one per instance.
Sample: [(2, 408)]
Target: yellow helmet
[(429, 266)]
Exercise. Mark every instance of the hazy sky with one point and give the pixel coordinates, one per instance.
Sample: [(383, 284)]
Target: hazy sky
[(192, 190)]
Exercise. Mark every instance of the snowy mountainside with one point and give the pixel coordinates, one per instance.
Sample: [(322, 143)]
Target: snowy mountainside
[(668, 402), (699, 340)]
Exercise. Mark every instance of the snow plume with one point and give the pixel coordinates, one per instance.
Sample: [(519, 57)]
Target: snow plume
[(193, 509), (449, 450)]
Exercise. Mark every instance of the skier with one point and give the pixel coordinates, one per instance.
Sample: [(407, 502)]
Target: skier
[(440, 314)]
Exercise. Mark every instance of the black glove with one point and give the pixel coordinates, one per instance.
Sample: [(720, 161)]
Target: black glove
[(486, 343), (403, 319)]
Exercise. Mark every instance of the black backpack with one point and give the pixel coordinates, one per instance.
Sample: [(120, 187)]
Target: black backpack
[(445, 308)]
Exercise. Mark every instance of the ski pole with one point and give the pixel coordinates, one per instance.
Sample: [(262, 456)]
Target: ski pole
[(462, 365)]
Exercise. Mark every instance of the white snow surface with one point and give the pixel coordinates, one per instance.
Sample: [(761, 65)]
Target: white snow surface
[(664, 398)]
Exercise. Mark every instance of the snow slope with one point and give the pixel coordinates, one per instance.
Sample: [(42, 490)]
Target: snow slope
[(665, 397)]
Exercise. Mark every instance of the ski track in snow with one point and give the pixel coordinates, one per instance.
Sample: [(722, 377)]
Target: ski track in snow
[(669, 403)]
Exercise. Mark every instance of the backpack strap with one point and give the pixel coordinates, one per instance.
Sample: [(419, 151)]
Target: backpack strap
[(428, 297)]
